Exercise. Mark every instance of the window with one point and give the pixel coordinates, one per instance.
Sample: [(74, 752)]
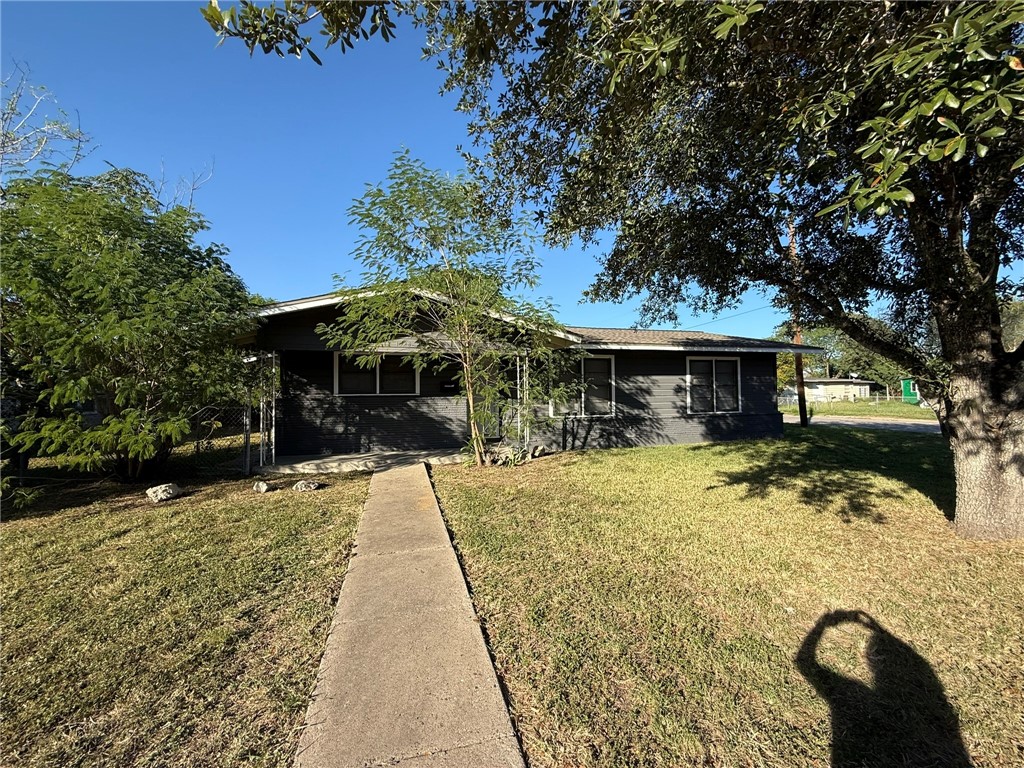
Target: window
[(391, 376), (598, 396), (714, 385), (598, 385)]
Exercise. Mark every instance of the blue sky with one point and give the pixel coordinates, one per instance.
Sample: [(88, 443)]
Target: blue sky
[(291, 144)]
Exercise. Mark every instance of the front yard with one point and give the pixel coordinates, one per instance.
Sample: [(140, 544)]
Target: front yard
[(182, 634), (698, 605)]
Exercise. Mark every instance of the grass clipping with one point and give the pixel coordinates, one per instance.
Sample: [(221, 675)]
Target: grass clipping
[(187, 633), (771, 603)]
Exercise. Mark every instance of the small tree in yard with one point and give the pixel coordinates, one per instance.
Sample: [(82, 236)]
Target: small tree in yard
[(439, 271), (106, 297)]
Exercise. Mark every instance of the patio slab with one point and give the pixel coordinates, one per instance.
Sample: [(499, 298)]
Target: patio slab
[(357, 462)]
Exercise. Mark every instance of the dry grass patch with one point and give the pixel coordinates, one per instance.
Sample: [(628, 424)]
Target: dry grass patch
[(646, 607), (186, 633)]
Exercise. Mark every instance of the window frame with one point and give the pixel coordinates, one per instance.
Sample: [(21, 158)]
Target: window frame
[(581, 414), (714, 384), (376, 380)]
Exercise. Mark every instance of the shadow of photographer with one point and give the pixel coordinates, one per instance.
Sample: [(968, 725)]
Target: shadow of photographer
[(902, 718)]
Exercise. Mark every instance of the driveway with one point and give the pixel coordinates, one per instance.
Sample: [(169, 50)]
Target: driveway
[(897, 425)]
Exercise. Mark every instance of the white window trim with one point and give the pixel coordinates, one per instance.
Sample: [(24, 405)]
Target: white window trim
[(739, 385), (378, 393), (583, 394)]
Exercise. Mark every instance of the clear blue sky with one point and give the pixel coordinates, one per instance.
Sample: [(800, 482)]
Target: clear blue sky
[(291, 144)]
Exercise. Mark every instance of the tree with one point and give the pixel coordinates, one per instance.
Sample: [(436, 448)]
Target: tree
[(843, 357), (27, 135), (107, 298), (890, 136), (440, 274)]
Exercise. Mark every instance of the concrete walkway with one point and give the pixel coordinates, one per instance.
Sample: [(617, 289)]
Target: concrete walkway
[(406, 679)]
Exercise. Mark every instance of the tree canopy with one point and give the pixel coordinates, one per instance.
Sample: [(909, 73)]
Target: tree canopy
[(842, 157), (444, 277), (108, 300)]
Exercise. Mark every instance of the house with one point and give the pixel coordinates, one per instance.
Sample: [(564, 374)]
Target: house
[(644, 387), (827, 390)]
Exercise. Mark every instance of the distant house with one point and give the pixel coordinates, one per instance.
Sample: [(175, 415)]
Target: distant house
[(643, 387), (827, 390)]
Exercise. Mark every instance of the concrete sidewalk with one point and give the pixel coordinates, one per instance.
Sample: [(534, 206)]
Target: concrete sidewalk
[(406, 679)]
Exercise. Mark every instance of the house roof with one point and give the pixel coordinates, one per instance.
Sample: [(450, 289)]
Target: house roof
[(606, 338), (689, 341)]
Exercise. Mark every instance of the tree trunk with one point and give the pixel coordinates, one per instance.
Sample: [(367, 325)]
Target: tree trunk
[(987, 440), (475, 438)]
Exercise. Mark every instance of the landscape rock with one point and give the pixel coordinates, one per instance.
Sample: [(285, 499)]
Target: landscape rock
[(164, 492), (261, 486), (306, 485)]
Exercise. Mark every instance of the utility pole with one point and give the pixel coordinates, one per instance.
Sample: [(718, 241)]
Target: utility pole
[(798, 358), (798, 362)]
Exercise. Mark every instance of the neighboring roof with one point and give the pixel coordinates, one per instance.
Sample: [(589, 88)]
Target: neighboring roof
[(837, 381), (606, 338), (297, 305), (690, 341)]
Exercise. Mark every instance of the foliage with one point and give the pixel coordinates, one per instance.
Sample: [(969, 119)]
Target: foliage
[(27, 135), (108, 301), (177, 635), (843, 358), (645, 606), (888, 138), (440, 278)]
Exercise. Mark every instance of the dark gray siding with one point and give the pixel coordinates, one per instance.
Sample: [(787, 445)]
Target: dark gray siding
[(650, 407), (295, 330), (312, 420), (650, 403)]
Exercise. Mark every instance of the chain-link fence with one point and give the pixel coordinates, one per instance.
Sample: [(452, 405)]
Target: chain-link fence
[(222, 441)]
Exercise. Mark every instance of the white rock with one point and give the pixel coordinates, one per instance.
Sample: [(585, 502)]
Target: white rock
[(262, 487), (165, 492), (306, 485)]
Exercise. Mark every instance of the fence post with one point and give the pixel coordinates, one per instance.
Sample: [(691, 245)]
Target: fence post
[(247, 440)]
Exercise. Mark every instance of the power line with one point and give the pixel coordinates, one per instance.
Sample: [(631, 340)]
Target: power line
[(728, 317)]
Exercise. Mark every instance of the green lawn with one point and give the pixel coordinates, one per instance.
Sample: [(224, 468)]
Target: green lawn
[(646, 607), (866, 409), (183, 634)]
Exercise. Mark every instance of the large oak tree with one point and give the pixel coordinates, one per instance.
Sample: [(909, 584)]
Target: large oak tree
[(844, 157)]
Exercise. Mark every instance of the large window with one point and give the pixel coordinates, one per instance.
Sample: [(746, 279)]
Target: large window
[(391, 376), (597, 397), (714, 385)]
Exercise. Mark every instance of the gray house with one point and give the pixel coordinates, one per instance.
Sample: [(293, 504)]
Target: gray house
[(643, 388)]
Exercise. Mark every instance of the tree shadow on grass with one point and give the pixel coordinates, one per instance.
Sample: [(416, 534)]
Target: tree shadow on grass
[(902, 718), (833, 468)]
